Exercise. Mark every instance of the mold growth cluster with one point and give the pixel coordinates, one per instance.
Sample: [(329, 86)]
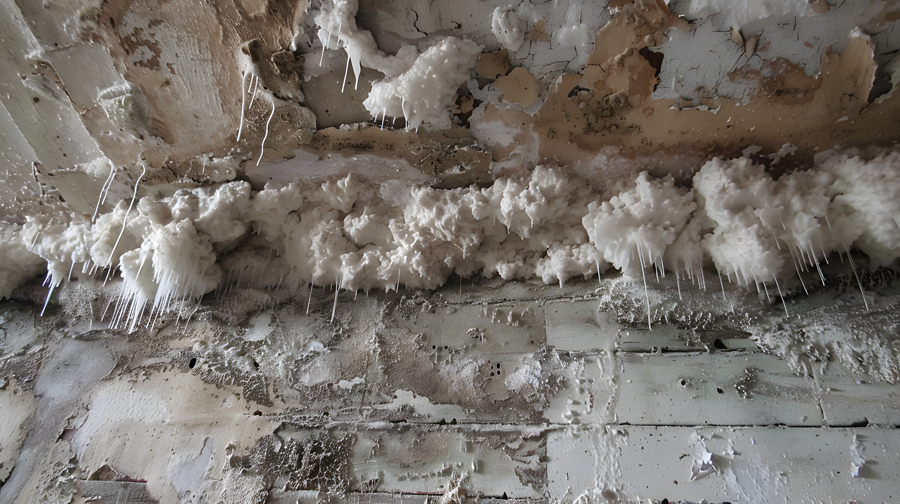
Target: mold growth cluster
[(607, 216), (557, 122), (421, 88), (548, 223)]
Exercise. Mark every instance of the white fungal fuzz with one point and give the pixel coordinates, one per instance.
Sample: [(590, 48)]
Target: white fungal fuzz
[(426, 92), (337, 21), (648, 217), (508, 28), (420, 88), (182, 267), (549, 223)]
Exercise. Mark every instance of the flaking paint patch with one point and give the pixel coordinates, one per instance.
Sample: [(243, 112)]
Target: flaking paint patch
[(159, 410), (18, 407), (519, 87), (483, 354)]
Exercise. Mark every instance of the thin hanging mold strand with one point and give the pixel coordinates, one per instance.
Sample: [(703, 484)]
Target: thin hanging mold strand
[(678, 284), (125, 221), (262, 147), (255, 84), (797, 269), (724, 297), (328, 39), (243, 101), (346, 68), (108, 186), (646, 291), (780, 294), (49, 293), (818, 267), (766, 287), (103, 191), (337, 292), (858, 281)]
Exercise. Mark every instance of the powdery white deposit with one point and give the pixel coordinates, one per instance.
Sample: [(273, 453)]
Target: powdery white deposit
[(547, 223), (737, 13)]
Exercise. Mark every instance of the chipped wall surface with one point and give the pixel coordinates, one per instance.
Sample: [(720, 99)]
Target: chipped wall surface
[(488, 389), (366, 251)]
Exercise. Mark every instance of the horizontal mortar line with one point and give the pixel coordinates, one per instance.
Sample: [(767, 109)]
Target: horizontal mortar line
[(735, 352), (457, 424), (742, 426), (549, 427), (857, 425), (507, 301), (682, 353), (380, 424), (600, 352), (359, 493), (651, 351)]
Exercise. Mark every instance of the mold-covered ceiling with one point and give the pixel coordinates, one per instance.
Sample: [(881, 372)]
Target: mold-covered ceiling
[(309, 250)]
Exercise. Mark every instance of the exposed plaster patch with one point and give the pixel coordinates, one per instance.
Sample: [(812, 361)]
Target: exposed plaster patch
[(519, 87), (18, 407), (493, 65)]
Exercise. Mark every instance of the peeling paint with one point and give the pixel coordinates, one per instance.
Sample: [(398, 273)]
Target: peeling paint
[(569, 135)]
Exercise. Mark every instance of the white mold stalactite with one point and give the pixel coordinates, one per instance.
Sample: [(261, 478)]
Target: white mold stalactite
[(109, 262), (262, 147), (243, 102), (104, 191)]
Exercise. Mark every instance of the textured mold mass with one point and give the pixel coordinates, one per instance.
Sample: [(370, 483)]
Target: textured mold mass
[(350, 233), (368, 251)]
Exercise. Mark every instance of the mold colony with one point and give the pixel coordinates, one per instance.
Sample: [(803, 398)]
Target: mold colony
[(553, 223), (209, 258), (348, 232)]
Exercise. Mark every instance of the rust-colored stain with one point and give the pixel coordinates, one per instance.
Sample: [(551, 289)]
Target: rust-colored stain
[(610, 105)]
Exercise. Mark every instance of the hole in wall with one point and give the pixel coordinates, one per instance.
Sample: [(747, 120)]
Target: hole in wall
[(862, 423), (655, 59)]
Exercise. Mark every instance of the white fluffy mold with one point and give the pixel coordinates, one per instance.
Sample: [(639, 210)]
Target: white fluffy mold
[(633, 229), (421, 88), (356, 235), (866, 203)]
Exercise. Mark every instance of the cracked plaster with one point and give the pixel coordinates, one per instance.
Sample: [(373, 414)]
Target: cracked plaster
[(482, 389)]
